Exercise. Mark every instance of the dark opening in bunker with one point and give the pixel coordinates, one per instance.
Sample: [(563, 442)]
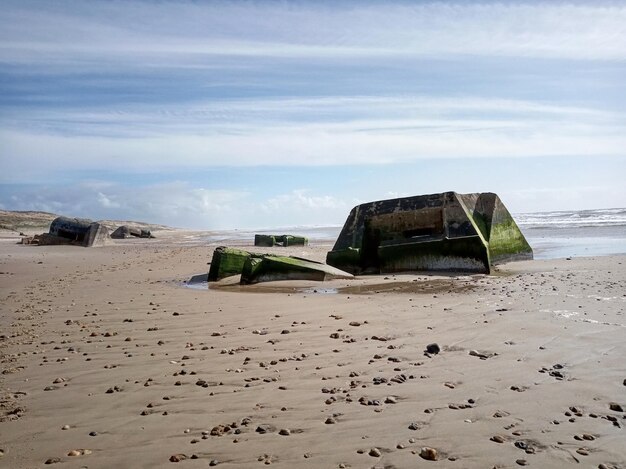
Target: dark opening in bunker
[(70, 235), (419, 233)]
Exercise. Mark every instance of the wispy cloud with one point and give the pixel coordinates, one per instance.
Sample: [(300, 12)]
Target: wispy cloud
[(305, 132), (151, 32)]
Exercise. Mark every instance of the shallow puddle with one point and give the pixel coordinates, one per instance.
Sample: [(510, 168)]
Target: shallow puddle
[(407, 287)]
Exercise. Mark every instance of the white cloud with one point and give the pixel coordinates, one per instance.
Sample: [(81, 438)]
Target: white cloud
[(298, 132), (67, 32), (173, 204)]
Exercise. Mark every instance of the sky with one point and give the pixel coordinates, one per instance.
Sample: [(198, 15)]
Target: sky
[(259, 114)]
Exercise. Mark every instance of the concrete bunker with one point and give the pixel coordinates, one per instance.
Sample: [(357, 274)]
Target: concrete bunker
[(441, 232), (279, 240), (255, 268), (76, 231), (125, 232)]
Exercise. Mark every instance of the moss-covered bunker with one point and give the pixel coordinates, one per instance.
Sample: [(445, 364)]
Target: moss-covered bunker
[(447, 231)]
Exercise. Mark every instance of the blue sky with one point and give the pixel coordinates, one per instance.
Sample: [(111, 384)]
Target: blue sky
[(257, 114)]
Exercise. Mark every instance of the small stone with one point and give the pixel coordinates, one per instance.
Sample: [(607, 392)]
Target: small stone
[(375, 453), (497, 439), (178, 457), (284, 432), (588, 437), (65, 427), (430, 454), (265, 428), (521, 462), (74, 452), (213, 462), (390, 400), (52, 460), (614, 406), (330, 421), (433, 348), (583, 451), (355, 323), (93, 433)]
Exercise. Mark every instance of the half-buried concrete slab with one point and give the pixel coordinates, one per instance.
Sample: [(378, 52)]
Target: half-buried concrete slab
[(255, 268), (270, 268)]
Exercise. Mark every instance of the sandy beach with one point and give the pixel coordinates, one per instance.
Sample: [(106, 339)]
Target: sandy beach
[(109, 361)]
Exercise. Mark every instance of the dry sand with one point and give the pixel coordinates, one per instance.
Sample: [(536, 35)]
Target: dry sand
[(108, 362)]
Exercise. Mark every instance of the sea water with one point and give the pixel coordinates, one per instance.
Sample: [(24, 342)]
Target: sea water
[(552, 235)]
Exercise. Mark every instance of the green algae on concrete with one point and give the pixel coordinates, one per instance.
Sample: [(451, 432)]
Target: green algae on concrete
[(227, 262), (255, 268), (466, 254), (279, 240), (267, 241), (270, 268), (447, 231)]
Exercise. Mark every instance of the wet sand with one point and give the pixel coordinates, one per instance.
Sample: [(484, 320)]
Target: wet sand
[(107, 360)]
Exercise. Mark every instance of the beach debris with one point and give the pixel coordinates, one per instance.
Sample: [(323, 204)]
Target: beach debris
[(446, 231), (279, 240)]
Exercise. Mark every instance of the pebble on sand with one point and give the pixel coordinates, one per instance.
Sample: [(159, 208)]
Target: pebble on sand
[(433, 348), (178, 457), (429, 454), (79, 452), (375, 453), (52, 460)]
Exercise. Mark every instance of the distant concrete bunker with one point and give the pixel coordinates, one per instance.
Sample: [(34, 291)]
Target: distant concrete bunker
[(77, 231), (279, 240), (125, 231), (440, 232)]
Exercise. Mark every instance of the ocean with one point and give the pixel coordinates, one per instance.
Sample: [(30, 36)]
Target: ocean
[(552, 235)]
